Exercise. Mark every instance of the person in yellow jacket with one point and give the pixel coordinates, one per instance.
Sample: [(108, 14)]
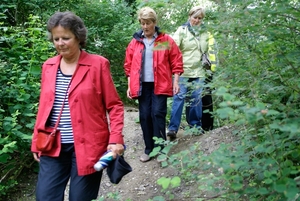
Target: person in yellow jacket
[(193, 40)]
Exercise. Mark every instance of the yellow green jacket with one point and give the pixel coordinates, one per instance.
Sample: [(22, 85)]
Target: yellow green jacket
[(192, 45)]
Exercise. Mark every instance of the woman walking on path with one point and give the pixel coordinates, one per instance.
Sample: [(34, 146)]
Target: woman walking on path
[(152, 57), (192, 39), (78, 93)]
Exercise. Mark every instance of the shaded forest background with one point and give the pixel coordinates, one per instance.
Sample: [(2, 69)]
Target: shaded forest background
[(256, 86)]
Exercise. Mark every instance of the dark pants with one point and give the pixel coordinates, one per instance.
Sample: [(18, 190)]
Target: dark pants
[(152, 113), (207, 108), (55, 173)]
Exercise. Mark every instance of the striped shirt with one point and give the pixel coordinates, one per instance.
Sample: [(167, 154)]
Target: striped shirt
[(65, 124)]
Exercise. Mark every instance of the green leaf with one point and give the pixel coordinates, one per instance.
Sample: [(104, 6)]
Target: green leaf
[(267, 173), (263, 191), (268, 181), (175, 182), (4, 157), (236, 186), (164, 182), (162, 157), (280, 186)]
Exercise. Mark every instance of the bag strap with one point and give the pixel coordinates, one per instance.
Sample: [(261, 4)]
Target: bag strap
[(190, 29), (63, 103)]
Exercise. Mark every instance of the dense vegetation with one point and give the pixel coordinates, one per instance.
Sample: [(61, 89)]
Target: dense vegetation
[(257, 86)]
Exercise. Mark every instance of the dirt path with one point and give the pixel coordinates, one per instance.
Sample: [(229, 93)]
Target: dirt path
[(140, 184)]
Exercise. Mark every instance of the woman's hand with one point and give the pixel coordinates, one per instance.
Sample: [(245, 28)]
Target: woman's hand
[(116, 149), (128, 94), (176, 87), (36, 157), (128, 90)]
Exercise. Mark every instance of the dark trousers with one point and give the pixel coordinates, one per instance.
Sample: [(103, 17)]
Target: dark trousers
[(207, 108), (207, 118), (54, 174), (152, 114)]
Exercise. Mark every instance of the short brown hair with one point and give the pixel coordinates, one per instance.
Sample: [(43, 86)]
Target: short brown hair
[(68, 20)]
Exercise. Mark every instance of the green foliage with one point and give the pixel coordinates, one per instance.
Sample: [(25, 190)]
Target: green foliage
[(257, 90), (170, 13), (22, 53), (110, 30), (166, 182), (17, 12), (24, 47), (109, 26), (169, 183), (111, 196), (260, 49)]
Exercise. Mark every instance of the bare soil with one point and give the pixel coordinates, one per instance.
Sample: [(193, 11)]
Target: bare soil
[(141, 183)]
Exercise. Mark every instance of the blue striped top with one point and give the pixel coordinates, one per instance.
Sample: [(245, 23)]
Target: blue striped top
[(65, 124)]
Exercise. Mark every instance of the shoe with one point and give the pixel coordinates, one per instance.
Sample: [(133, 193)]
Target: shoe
[(145, 158), (172, 134)]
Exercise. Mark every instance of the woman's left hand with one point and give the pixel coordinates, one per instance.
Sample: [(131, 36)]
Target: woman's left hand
[(116, 149), (176, 88)]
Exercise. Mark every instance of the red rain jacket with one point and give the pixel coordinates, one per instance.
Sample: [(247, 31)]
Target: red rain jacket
[(92, 96), (167, 60)]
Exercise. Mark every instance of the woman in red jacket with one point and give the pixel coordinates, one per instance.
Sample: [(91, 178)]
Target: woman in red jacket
[(151, 59), (83, 125)]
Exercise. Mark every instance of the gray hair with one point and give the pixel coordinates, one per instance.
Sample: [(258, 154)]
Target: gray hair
[(68, 20), (197, 11)]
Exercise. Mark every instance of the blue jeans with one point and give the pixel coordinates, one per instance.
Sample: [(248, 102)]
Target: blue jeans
[(152, 113), (190, 91)]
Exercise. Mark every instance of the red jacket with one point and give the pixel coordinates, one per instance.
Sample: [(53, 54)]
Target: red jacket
[(92, 95), (167, 60)]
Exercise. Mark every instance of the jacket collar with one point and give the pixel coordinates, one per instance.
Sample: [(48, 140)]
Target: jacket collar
[(139, 34), (83, 59), (189, 26)]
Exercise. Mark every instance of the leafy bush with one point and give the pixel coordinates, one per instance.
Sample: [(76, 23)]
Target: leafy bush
[(257, 89), (110, 27), (24, 47), (22, 52), (262, 97)]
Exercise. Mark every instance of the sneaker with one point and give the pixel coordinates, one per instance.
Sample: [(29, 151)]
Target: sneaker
[(172, 134), (145, 158)]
